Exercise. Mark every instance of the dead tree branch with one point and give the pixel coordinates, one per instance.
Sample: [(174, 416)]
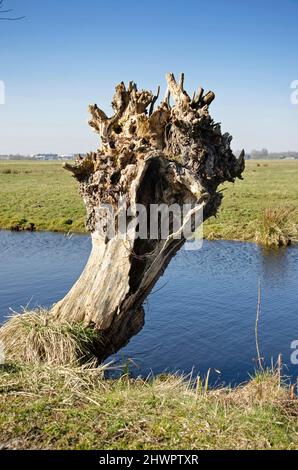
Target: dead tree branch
[(5, 12)]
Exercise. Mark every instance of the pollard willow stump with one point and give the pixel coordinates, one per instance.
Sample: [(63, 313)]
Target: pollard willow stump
[(175, 154)]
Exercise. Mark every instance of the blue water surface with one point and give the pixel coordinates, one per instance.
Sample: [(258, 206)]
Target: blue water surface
[(200, 315)]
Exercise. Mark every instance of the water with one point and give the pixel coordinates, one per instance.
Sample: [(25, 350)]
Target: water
[(200, 315)]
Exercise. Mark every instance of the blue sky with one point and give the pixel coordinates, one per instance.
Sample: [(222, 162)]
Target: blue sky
[(66, 54)]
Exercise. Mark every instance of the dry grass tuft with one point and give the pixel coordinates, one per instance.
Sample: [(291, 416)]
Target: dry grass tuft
[(264, 388), (34, 338), (276, 226)]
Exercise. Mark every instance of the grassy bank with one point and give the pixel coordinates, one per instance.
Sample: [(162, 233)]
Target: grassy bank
[(68, 408), (45, 195)]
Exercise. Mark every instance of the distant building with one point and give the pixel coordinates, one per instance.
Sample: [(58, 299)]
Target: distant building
[(67, 157), (45, 156)]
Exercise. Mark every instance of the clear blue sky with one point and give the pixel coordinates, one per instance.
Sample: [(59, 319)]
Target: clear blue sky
[(66, 54)]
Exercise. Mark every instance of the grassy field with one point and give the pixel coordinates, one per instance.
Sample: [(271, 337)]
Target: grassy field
[(44, 194), (41, 193), (266, 184), (68, 408)]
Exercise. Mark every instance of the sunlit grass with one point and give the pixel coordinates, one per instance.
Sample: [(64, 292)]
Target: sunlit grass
[(41, 193), (44, 194), (73, 408), (265, 184)]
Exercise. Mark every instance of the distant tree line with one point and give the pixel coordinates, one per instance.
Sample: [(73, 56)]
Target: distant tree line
[(265, 155)]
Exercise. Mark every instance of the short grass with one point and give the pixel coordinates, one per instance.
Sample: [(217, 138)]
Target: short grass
[(46, 195), (272, 184), (41, 193), (74, 408)]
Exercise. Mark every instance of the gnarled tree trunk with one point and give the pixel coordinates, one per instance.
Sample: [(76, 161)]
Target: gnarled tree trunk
[(173, 155)]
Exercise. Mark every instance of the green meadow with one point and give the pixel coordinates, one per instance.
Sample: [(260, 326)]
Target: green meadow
[(44, 194)]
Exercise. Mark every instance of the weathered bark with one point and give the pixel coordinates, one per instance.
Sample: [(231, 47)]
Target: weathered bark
[(175, 154)]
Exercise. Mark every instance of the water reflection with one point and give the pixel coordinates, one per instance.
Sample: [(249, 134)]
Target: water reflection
[(275, 264)]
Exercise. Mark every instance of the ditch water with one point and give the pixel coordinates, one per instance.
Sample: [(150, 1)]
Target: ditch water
[(200, 315)]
